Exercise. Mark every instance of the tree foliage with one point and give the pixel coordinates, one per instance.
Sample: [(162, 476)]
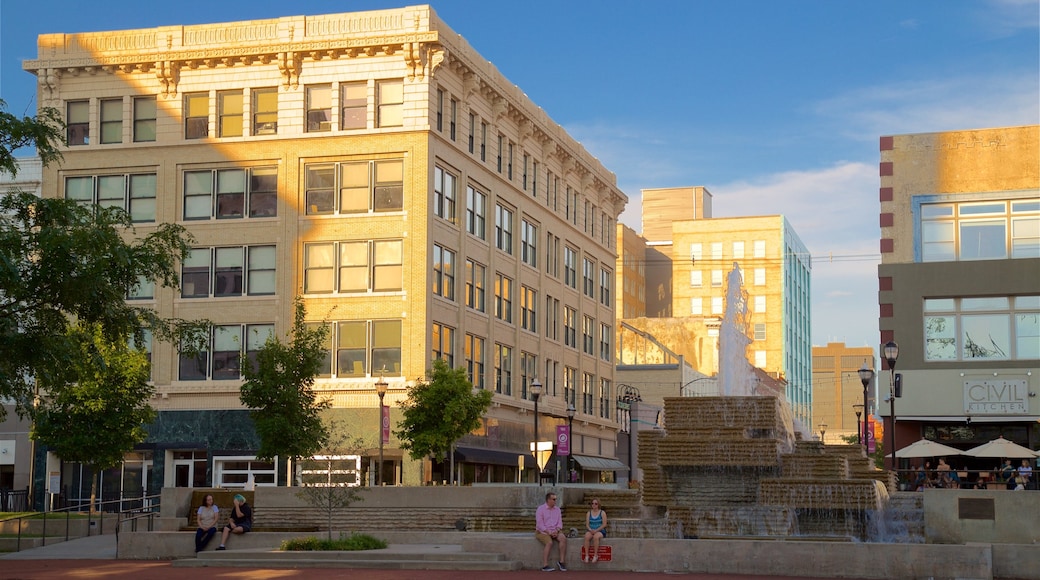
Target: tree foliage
[(335, 491), (96, 399), (45, 133), (279, 391), (439, 410), (61, 262)]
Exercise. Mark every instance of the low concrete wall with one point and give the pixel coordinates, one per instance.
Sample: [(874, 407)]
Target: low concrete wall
[(961, 516), (1016, 561), (753, 557)]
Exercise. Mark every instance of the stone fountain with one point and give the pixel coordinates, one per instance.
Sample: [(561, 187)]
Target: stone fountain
[(735, 464)]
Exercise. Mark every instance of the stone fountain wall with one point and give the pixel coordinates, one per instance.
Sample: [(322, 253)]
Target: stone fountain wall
[(729, 466)]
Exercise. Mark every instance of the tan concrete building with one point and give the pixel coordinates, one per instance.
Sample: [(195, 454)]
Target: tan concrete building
[(838, 393), (376, 165), (688, 254), (959, 285)]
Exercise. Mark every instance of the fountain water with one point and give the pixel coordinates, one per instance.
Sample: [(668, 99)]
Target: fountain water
[(734, 465)]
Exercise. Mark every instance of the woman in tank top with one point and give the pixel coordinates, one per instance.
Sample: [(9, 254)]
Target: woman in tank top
[(595, 530)]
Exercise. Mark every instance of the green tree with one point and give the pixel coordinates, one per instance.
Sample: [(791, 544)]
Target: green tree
[(96, 400), (45, 133), (332, 489), (279, 391), (439, 410)]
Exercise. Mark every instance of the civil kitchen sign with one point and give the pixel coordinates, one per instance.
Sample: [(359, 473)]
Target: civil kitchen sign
[(996, 397)]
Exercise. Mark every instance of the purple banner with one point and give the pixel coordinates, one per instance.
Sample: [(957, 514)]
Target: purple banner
[(563, 440)]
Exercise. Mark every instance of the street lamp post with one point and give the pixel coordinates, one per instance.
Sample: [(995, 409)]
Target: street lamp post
[(823, 432), (858, 409), (570, 433), (381, 387), (891, 355), (536, 393), (866, 374)]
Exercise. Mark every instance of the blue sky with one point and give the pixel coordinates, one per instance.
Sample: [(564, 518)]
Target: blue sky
[(776, 107)]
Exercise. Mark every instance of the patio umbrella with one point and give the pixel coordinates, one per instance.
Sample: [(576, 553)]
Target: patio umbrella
[(926, 448), (1001, 447)]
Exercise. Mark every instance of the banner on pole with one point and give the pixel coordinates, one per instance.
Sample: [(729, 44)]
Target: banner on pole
[(563, 440), (386, 425)]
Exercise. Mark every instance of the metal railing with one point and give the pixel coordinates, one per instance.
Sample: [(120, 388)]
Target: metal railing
[(145, 507)]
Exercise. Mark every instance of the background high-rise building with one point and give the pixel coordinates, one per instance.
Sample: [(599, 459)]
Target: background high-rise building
[(838, 390)]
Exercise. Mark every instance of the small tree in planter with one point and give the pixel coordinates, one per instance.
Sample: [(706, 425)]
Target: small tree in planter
[(325, 486)]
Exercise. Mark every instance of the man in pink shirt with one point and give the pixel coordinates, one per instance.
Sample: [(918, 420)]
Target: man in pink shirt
[(548, 528)]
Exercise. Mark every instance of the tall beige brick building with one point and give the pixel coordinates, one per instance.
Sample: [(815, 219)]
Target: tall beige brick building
[(838, 392), (376, 165)]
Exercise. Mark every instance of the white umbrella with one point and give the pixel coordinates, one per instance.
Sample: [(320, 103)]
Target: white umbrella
[(926, 448), (1001, 447)]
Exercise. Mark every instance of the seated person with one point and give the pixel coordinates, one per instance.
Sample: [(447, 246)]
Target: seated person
[(240, 521)]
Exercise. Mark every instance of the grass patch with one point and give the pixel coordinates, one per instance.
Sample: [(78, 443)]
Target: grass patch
[(351, 543)]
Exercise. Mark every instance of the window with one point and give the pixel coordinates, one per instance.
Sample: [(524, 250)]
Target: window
[(605, 402), (509, 163), (760, 359), (716, 251), (990, 230), (440, 110), (696, 278), (319, 108), (111, 120), (353, 103), (475, 274), (716, 278), (760, 276), (233, 472), (504, 229), (529, 243), (498, 156), (570, 267), (443, 194), (134, 193), (716, 304), (454, 118), (230, 111), (77, 122), (443, 272), (231, 193), (760, 304), (144, 119), (552, 317), (696, 253), (390, 98), (588, 380), (144, 290), (696, 306), (605, 282), (523, 176), (588, 335), (991, 328), (224, 267), (483, 141), (570, 327), (738, 250), (476, 212), (760, 331), (503, 369), (605, 352), (759, 248), (588, 277), (353, 266), (366, 347), (534, 178), (196, 116), (265, 111), (474, 353), (528, 370), (528, 309), (472, 129), (220, 358), (355, 187), (570, 383), (552, 255), (503, 298), (443, 343)]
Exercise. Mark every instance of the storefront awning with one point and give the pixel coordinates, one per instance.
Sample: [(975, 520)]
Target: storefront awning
[(491, 456), (600, 463), (974, 418)]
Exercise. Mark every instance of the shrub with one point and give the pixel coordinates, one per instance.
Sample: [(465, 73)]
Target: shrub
[(345, 543)]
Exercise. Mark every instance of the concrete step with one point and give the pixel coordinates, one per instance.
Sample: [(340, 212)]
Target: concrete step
[(393, 558)]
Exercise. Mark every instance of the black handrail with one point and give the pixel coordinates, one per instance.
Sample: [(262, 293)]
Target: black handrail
[(147, 508)]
